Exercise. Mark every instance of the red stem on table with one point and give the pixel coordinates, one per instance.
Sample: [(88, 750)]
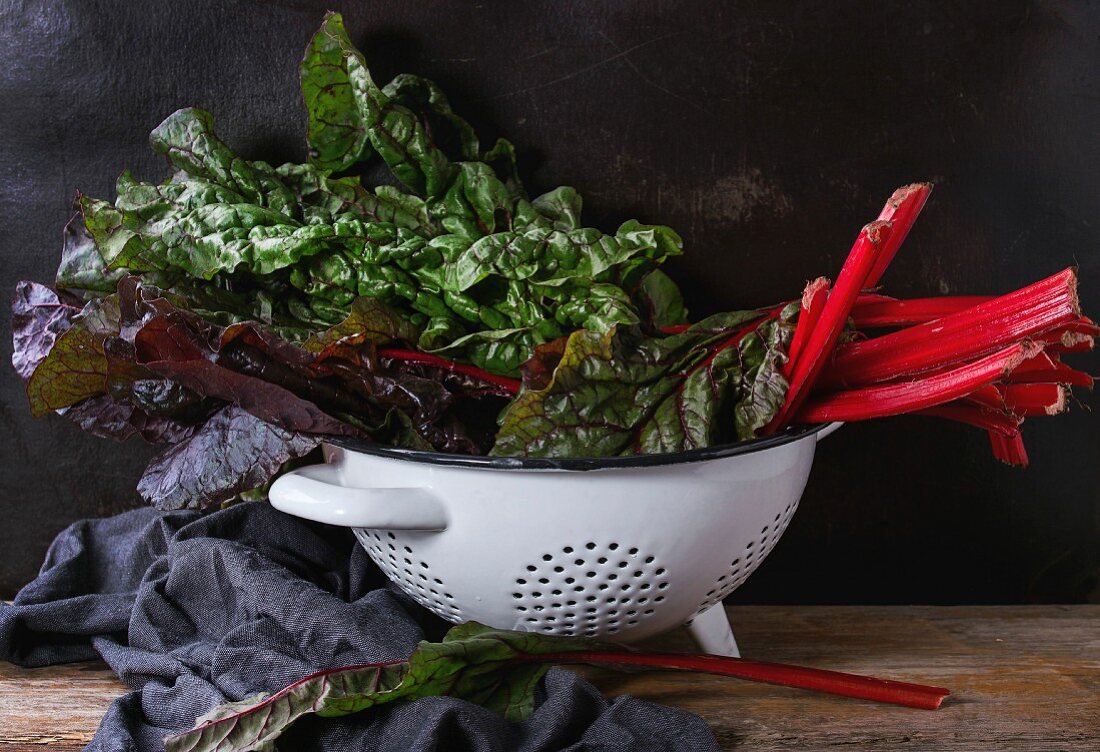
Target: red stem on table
[(412, 356), (1033, 310), (894, 399), (818, 680), (823, 338), (886, 313), (901, 210), (813, 303)]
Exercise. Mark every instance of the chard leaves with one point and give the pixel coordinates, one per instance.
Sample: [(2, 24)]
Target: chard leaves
[(458, 251), (494, 668), (136, 363), (240, 304), (624, 392)]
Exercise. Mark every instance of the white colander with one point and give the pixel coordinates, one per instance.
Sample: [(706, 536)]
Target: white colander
[(621, 548)]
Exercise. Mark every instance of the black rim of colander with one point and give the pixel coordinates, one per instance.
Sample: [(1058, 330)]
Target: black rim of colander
[(576, 463)]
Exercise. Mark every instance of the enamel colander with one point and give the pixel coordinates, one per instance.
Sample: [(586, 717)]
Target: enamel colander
[(616, 548)]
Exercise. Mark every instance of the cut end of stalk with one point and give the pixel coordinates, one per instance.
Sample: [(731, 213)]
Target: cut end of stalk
[(903, 194), (1073, 342), (1059, 406), (878, 231), (812, 289), (1028, 349)]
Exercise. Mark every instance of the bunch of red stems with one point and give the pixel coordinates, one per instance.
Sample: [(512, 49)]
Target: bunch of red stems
[(988, 362), (985, 361)]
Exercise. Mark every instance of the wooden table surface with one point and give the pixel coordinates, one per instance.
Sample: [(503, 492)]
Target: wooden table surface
[(1022, 678)]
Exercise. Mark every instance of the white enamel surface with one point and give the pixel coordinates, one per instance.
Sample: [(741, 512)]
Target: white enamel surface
[(621, 553)]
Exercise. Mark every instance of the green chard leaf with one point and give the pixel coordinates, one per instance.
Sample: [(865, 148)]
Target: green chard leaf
[(342, 101), (623, 392), (425, 98), (549, 256), (496, 669), (483, 273), (660, 300), (370, 319), (562, 206), (82, 270), (75, 368)]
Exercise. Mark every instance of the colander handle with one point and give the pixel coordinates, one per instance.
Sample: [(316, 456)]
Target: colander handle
[(315, 493)]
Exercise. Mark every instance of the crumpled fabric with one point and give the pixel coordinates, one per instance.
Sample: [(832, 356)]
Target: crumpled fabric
[(195, 610)]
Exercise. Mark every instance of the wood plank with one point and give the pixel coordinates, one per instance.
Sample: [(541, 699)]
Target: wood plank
[(54, 708), (1022, 678)]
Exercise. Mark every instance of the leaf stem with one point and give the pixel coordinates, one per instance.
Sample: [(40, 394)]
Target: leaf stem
[(972, 332), (817, 680), (902, 397), (887, 313), (823, 339), (412, 356)]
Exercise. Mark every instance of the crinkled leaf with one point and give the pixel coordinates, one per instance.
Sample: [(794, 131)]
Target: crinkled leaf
[(232, 452), (107, 417), (623, 392), (75, 368), (451, 132), (550, 256), (403, 142), (322, 198), (176, 347), (604, 306), (763, 386), (371, 319), (562, 206), (496, 669), (82, 270), (342, 101), (187, 139), (497, 351), (477, 203), (38, 319), (348, 113)]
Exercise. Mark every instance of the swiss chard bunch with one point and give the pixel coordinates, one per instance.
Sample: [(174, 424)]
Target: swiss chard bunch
[(456, 247), (239, 312)]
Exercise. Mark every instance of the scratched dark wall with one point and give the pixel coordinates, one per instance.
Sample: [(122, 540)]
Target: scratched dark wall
[(767, 133)]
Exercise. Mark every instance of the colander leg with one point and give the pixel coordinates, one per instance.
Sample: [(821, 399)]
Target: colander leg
[(711, 629)]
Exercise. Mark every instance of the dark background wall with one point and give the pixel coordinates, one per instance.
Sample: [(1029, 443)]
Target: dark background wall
[(766, 133)]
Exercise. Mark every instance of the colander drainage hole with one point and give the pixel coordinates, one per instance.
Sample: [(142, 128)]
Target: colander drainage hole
[(417, 584), (610, 582)]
